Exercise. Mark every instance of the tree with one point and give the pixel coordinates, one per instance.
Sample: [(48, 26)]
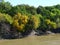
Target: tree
[(31, 10), (5, 25), (6, 18), (45, 13), (5, 7), (50, 24), (33, 22), (20, 21)]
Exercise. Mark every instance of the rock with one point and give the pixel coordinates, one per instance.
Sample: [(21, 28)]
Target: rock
[(40, 32), (49, 32), (32, 33)]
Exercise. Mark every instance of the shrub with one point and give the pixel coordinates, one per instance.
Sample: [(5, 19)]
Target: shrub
[(20, 21), (6, 18)]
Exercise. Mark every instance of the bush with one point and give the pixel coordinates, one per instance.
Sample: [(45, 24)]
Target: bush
[(20, 21), (6, 18)]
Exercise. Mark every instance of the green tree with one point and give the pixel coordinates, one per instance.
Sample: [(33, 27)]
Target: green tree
[(5, 7), (6, 18), (50, 24)]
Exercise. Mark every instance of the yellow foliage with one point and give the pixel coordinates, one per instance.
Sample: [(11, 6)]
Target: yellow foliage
[(36, 21), (15, 23), (47, 21), (20, 21), (51, 23)]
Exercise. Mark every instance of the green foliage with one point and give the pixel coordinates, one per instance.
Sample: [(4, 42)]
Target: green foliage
[(5, 7), (6, 18), (25, 17), (58, 22), (50, 24)]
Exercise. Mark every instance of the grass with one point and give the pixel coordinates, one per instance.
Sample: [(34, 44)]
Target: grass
[(34, 40)]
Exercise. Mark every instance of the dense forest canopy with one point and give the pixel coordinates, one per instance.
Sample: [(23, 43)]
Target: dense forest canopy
[(24, 18)]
